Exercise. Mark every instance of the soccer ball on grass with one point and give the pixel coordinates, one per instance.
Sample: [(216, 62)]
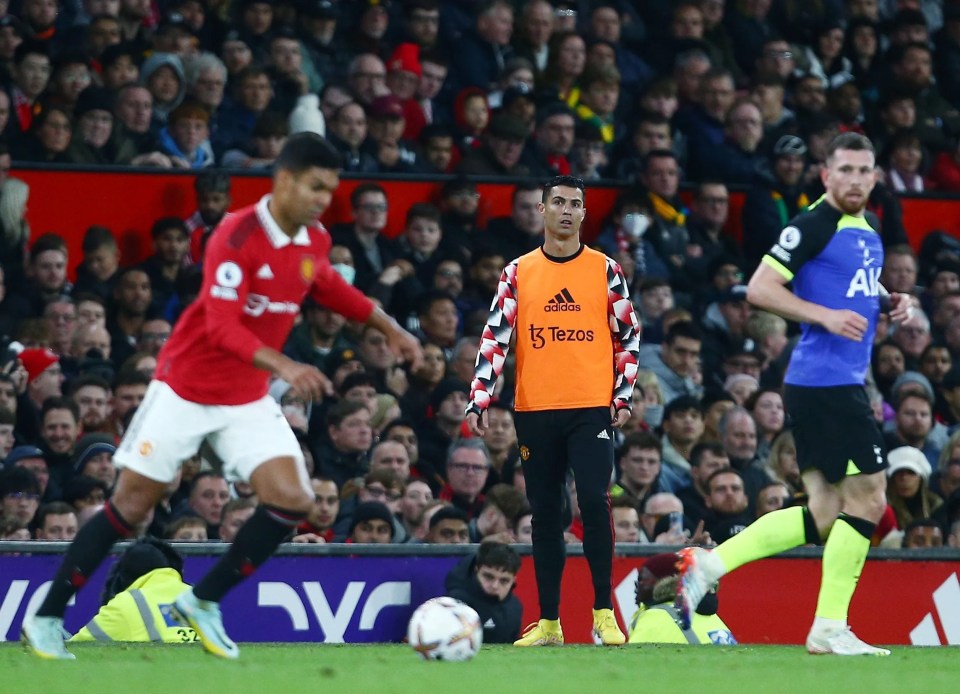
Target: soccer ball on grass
[(445, 629)]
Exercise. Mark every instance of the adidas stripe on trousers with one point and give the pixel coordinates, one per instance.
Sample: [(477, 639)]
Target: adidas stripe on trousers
[(551, 443)]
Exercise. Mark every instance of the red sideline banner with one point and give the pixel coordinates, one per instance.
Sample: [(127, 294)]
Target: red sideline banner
[(127, 203), (772, 601)]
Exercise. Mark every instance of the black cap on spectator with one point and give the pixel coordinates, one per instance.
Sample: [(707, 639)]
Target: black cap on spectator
[(94, 364), (90, 445), (22, 453), (508, 127), (337, 359), (946, 265), (371, 510), (113, 53), (734, 294), (319, 9), (457, 185), (517, 91), (789, 146), (551, 109), (93, 99), (444, 389), (587, 132), (11, 21), (176, 21), (908, 17), (950, 381)]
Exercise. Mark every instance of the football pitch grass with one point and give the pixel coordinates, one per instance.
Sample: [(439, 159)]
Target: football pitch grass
[(300, 668)]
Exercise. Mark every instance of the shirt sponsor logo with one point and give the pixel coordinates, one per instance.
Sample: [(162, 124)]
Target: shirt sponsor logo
[(265, 273), (563, 301), (865, 281), (258, 304), (540, 336)]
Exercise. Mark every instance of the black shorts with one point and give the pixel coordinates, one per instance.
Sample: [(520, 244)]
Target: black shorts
[(835, 431)]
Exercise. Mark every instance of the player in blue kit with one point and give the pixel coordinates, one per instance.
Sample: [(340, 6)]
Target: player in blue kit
[(833, 255)]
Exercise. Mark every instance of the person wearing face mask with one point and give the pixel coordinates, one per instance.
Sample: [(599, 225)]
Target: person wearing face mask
[(625, 230)]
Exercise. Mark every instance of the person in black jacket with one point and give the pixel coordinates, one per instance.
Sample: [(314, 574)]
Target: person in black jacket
[(485, 582)]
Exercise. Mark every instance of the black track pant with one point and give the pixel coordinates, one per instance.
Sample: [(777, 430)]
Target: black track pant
[(552, 442)]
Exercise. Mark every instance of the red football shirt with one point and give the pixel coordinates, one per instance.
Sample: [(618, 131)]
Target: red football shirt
[(254, 280)]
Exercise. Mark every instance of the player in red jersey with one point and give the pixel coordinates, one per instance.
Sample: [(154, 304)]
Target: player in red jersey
[(211, 385)]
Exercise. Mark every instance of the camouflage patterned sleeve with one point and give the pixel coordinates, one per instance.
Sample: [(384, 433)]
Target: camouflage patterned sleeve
[(626, 335), (495, 341)]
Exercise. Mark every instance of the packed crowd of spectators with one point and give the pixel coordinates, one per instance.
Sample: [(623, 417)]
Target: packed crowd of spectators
[(716, 94)]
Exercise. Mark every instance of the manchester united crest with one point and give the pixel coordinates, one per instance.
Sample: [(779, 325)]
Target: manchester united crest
[(308, 268), (524, 453)]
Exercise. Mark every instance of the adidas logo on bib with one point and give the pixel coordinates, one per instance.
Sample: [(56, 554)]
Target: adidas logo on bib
[(563, 301)]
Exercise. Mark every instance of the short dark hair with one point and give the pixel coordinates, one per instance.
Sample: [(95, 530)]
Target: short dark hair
[(97, 237), (54, 508), (211, 182), (683, 328), (696, 453), (165, 223), (18, 479), (568, 181), (447, 513), (81, 486), (682, 403), (342, 410), (659, 154), (643, 440), (130, 378), (306, 150), (59, 403), (428, 299), (360, 378), (30, 47), (87, 380), (722, 471), (422, 210), (362, 190), (851, 141), (200, 476), (498, 556), (48, 242), (524, 187)]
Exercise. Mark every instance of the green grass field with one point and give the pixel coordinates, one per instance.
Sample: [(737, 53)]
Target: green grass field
[(291, 669)]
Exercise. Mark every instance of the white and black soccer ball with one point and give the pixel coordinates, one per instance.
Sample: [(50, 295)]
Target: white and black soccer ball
[(445, 629)]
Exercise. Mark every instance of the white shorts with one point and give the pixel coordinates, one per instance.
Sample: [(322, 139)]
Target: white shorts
[(166, 430)]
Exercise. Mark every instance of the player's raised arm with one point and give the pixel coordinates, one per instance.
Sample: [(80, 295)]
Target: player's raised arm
[(625, 329), (331, 290), (494, 345)]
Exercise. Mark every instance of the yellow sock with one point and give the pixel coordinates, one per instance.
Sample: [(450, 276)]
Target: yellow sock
[(770, 534), (843, 557)]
